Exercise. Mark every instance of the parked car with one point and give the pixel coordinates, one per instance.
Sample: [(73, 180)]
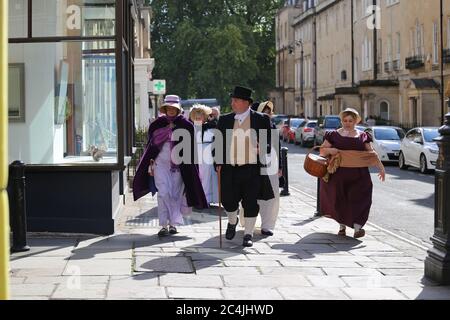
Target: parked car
[(419, 150), (386, 142), (361, 127), (305, 133), (290, 127), (326, 124), (279, 121)]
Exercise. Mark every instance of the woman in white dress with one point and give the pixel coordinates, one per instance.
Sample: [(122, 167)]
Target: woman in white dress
[(204, 137)]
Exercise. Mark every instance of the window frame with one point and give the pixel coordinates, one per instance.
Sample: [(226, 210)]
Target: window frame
[(124, 53), (436, 42)]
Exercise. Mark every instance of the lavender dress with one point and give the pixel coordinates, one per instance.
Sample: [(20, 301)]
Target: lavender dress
[(347, 197)]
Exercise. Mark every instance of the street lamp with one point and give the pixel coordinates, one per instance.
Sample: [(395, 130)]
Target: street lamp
[(437, 263)]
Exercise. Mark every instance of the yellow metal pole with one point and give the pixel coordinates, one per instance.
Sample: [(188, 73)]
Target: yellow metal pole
[(4, 207)]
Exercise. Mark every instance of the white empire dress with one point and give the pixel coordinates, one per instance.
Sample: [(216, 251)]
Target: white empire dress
[(208, 175)]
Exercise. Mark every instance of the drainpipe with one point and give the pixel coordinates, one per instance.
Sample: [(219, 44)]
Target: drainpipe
[(375, 40), (315, 113)]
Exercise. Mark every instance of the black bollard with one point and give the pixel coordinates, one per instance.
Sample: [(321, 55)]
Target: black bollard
[(284, 159), (17, 207), (318, 213)]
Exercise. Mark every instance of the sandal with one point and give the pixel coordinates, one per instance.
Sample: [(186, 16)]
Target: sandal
[(163, 232), (359, 234), (173, 230)]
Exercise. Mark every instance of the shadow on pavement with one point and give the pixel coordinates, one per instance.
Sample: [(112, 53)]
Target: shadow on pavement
[(307, 221), (319, 243)]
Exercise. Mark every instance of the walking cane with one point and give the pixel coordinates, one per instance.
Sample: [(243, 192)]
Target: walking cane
[(220, 203)]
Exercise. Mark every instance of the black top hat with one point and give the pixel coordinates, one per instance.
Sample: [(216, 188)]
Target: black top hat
[(242, 93)]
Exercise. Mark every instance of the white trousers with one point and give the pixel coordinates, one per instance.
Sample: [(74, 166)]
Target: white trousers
[(269, 209)]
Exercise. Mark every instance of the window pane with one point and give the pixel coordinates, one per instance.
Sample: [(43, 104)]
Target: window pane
[(384, 111), (17, 18), (70, 104), (388, 134), (430, 134), (73, 18)]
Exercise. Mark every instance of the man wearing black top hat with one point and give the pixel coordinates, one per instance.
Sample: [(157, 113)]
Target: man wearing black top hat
[(242, 179)]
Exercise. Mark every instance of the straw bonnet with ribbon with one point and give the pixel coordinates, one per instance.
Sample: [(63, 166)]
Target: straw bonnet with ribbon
[(267, 104), (171, 101), (350, 111)]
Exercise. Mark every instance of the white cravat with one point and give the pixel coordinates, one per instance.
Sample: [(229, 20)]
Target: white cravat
[(242, 116)]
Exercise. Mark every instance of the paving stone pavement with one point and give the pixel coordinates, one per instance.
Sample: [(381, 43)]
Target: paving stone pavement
[(304, 260)]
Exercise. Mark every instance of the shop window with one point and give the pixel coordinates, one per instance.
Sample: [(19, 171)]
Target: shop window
[(70, 104)]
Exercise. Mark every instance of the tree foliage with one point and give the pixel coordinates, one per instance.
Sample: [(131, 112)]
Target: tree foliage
[(203, 48)]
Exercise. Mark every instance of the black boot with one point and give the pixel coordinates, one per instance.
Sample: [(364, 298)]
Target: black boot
[(231, 231)]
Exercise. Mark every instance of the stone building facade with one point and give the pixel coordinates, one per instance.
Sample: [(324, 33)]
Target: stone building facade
[(382, 57)]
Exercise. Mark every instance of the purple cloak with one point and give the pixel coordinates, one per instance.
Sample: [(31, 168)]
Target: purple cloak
[(144, 184)]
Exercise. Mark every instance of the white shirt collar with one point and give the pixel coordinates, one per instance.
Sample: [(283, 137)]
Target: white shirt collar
[(241, 117)]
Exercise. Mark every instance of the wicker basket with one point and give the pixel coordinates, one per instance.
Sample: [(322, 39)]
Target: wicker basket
[(316, 165)]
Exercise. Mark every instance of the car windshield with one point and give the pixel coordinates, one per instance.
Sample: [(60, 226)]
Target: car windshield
[(332, 123), (278, 120), (295, 123), (389, 134), (430, 134)]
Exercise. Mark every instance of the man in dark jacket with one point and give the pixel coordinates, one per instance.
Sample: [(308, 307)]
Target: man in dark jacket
[(241, 177)]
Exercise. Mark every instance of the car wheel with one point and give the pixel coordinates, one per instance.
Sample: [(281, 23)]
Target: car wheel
[(423, 164), (401, 162)]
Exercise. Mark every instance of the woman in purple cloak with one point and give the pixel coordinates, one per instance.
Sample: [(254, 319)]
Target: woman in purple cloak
[(177, 184)]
